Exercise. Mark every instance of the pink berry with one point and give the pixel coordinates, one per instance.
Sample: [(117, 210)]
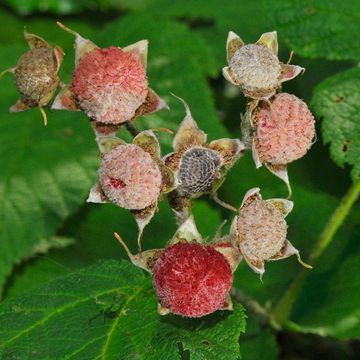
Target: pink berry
[(110, 85), (129, 177), (191, 279), (284, 131), (261, 230)]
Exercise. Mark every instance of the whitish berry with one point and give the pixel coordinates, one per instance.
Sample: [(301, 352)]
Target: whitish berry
[(259, 231), (198, 171), (255, 68), (285, 129), (129, 177), (191, 279), (110, 85), (262, 230)]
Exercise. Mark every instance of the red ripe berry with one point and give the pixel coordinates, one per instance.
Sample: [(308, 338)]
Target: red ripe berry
[(192, 279)]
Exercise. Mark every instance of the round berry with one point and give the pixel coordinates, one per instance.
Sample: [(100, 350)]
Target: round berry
[(191, 279), (284, 131), (199, 169), (36, 75), (261, 230), (110, 85), (256, 70), (129, 177)]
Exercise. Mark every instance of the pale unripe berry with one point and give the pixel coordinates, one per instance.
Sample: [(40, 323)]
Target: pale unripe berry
[(199, 169), (110, 85), (256, 70), (129, 177), (284, 130), (192, 279), (261, 230), (36, 75)]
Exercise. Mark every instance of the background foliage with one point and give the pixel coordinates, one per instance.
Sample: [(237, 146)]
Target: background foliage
[(47, 232)]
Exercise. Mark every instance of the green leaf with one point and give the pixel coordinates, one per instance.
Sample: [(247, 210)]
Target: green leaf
[(258, 340), (108, 311), (337, 101), (318, 28), (47, 171), (25, 7)]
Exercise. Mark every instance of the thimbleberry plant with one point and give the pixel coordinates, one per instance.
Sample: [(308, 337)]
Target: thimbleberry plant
[(184, 292)]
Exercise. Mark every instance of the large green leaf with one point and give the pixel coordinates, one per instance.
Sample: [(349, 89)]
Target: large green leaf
[(318, 28), (46, 171), (337, 101), (108, 311)]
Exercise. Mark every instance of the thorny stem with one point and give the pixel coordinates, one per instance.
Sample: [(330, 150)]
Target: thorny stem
[(283, 309)]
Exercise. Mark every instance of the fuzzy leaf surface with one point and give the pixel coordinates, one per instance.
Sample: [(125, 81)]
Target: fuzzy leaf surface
[(108, 311), (318, 28), (337, 101)]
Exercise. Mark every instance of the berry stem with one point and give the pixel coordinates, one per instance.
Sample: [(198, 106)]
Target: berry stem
[(131, 128), (283, 309)]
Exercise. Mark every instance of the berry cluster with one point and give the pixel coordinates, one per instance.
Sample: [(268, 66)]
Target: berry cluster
[(191, 277)]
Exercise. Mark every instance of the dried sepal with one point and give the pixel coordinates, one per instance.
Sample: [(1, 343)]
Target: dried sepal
[(258, 266), (139, 50), (269, 40), (289, 72), (281, 172), (35, 41), (233, 43), (231, 254), (285, 206), (59, 56), (187, 232), (142, 218), (144, 259), (169, 182), (251, 195), (108, 143), (229, 149), (162, 310), (65, 100), (19, 106), (82, 45), (148, 141), (188, 134), (153, 103), (96, 195), (287, 251), (228, 304), (226, 71)]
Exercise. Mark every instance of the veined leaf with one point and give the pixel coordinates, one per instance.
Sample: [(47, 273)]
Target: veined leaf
[(108, 311), (337, 101), (45, 171), (318, 28)]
